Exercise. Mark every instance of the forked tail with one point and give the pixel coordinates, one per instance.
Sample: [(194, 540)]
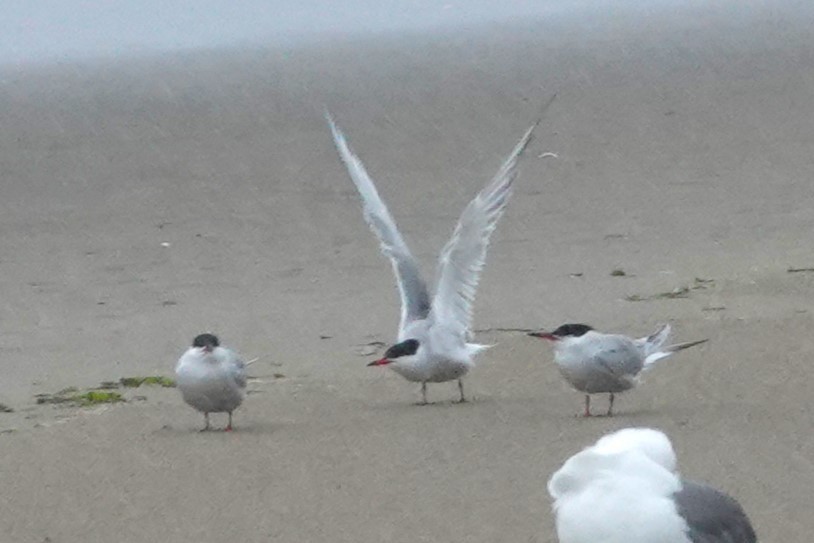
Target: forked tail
[(661, 354), (654, 341)]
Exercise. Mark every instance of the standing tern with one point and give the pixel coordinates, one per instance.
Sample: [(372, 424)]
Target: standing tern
[(432, 344), (625, 489), (211, 378), (595, 363)]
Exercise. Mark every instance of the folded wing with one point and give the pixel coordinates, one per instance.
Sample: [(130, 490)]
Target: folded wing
[(712, 516), (236, 367)]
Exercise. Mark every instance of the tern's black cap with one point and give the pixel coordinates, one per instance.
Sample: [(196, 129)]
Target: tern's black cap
[(405, 348), (574, 330), (206, 340)]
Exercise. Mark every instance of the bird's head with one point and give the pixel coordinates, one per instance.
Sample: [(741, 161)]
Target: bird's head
[(400, 352), (207, 342), (564, 331), (652, 443)]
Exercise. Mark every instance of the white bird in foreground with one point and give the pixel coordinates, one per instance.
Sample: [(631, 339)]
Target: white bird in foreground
[(625, 489), (594, 362), (211, 378), (432, 344)]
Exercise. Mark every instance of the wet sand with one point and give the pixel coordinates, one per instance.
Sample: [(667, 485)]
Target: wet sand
[(683, 142)]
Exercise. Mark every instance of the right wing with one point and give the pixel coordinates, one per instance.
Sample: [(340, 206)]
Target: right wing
[(712, 516), (464, 255), (415, 299)]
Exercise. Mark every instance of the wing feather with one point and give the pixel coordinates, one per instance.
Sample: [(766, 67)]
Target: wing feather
[(232, 363), (464, 255), (415, 299), (650, 344), (712, 516)]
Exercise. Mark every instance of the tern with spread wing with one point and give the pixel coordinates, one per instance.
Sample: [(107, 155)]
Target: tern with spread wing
[(593, 362), (626, 489), (211, 378), (432, 344)]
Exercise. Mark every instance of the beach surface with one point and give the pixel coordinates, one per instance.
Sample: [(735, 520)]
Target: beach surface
[(146, 200)]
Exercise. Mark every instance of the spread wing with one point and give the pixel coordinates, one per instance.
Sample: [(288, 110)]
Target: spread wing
[(415, 299), (464, 255)]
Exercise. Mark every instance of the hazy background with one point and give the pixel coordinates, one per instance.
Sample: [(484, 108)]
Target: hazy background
[(55, 30), (196, 187), (59, 30)]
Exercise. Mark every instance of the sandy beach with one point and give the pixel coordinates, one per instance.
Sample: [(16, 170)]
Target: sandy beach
[(145, 201)]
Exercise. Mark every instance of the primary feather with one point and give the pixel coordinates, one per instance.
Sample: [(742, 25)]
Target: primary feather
[(464, 255), (415, 299)]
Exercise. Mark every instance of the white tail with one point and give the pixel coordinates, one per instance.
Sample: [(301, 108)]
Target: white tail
[(652, 358), (654, 341), (475, 348)]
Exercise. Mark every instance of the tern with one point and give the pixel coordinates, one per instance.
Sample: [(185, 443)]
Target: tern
[(211, 378), (626, 489), (593, 362), (433, 336)]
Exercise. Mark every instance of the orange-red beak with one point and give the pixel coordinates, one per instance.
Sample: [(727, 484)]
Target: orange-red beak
[(380, 362), (544, 335)]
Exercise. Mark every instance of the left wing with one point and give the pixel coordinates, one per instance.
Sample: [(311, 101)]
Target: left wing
[(464, 255), (237, 367)]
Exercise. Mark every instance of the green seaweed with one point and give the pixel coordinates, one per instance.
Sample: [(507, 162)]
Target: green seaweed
[(96, 397), (108, 385), (135, 382), (62, 396), (71, 395), (160, 380), (618, 272)]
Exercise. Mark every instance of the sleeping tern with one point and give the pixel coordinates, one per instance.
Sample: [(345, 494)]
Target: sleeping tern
[(433, 336), (593, 362), (626, 489)]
